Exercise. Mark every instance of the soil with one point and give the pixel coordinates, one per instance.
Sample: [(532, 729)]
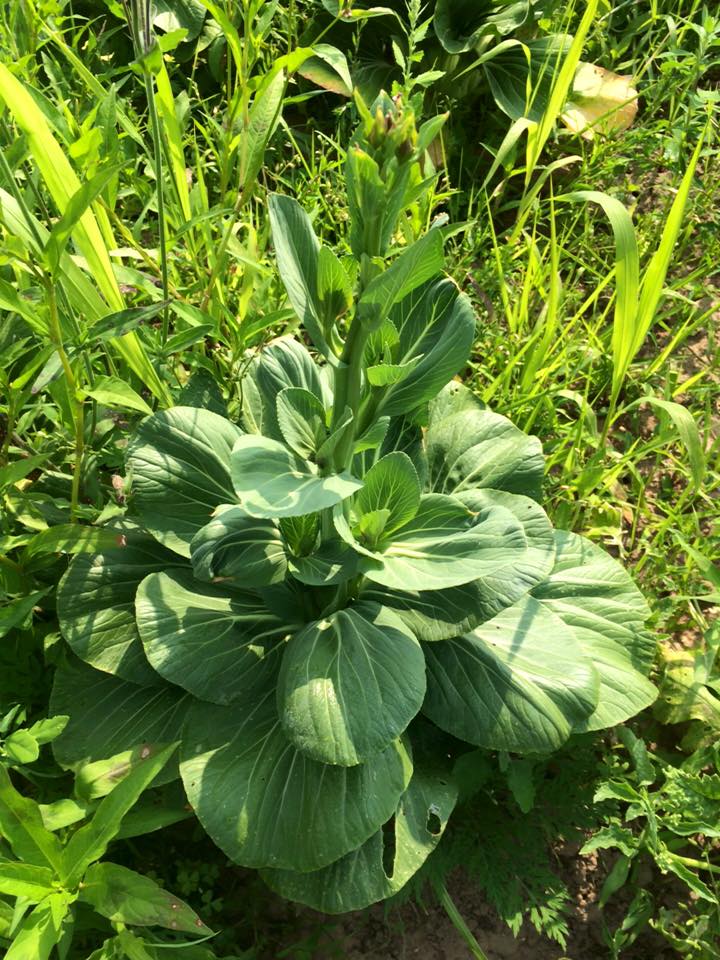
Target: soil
[(424, 932)]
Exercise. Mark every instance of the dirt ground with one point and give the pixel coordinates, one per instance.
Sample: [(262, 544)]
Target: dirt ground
[(416, 933)]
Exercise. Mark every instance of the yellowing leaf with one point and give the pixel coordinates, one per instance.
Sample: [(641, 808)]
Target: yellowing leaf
[(600, 102)]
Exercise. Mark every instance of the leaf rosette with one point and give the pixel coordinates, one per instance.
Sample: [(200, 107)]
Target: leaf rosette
[(302, 595)]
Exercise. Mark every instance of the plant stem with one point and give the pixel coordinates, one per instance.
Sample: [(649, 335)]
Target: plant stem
[(457, 920), (348, 385)]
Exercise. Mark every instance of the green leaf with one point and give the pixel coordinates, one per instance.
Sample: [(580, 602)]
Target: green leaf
[(422, 261), (117, 324), (114, 392), (297, 249), (26, 880), (109, 715), (386, 374), (189, 15), (519, 682), (444, 545), (96, 604), (350, 684), (281, 809), (76, 207), (435, 615), (97, 779), (41, 930), (689, 434), (271, 481), (212, 641), (390, 484), (521, 75), (239, 548), (594, 595), (301, 419), (91, 841), (330, 564), (283, 363), (328, 69), (468, 447), (124, 896), (15, 613), (436, 324), (21, 825), (333, 286), (385, 862), (14, 472), (462, 24), (72, 538), (263, 119), (21, 747), (180, 465)]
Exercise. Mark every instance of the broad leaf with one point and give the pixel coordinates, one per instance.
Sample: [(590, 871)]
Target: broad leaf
[(282, 363), (461, 24), (212, 641), (469, 446), (272, 482), (180, 465), (40, 931), (422, 261), (592, 593), (444, 545), (296, 249), (280, 808), (22, 827), (301, 419), (519, 682), (521, 76), (91, 840), (350, 684), (390, 484), (239, 548), (436, 324), (330, 564), (124, 896), (96, 604), (385, 862), (441, 614), (26, 880), (108, 715)]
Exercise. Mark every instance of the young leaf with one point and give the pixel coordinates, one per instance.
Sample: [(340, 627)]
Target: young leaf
[(26, 880), (422, 261), (390, 484), (114, 392), (40, 931), (302, 422)]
